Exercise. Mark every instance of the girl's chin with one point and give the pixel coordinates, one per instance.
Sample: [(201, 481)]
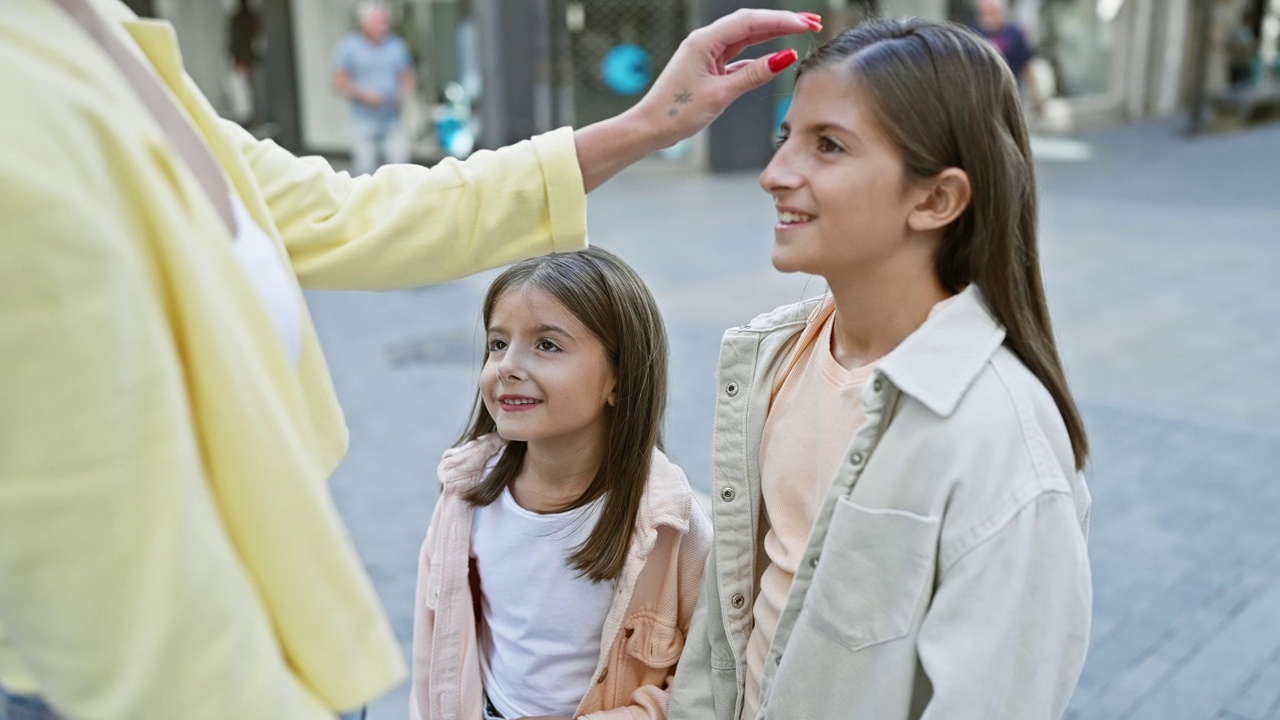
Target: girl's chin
[(784, 261)]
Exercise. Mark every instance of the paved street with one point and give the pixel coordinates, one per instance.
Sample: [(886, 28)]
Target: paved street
[(1162, 256)]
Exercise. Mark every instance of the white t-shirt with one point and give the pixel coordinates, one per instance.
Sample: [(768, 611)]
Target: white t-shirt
[(269, 274), (540, 640)]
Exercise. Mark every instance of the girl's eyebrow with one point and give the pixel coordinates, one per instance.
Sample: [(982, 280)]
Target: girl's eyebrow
[(835, 127), (824, 127), (554, 329), (540, 329)]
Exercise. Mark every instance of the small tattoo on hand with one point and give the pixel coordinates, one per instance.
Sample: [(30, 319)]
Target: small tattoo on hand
[(672, 112), (684, 98)]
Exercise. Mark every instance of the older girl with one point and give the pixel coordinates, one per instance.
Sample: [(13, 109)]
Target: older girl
[(899, 516)]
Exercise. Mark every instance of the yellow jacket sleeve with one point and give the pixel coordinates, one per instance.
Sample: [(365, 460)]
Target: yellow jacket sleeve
[(407, 225)]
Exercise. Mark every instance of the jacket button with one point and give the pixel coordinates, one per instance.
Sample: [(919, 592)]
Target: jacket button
[(728, 494), (813, 561), (856, 458), (604, 674), (731, 389), (738, 601), (877, 385)]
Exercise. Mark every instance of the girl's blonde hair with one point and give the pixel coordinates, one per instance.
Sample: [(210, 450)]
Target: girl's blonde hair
[(947, 99), (611, 300)]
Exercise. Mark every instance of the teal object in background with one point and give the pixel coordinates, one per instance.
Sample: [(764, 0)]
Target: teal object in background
[(628, 69), (780, 114)]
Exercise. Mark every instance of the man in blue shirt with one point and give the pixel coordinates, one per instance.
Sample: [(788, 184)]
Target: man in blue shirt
[(374, 71)]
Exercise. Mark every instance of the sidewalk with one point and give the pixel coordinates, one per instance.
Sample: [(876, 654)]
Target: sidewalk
[(1161, 256)]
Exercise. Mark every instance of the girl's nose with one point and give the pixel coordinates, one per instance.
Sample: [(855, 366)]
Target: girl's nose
[(511, 365), (779, 176)]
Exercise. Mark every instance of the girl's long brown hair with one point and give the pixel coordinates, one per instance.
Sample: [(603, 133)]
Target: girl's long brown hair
[(608, 297), (946, 99)]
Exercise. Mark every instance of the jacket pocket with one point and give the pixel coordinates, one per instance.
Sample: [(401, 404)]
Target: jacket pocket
[(872, 575), (652, 642)]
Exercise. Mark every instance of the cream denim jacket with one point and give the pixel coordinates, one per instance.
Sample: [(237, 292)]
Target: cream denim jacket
[(946, 576), (644, 630)]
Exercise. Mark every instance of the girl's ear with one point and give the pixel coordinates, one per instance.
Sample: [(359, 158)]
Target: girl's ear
[(948, 194)]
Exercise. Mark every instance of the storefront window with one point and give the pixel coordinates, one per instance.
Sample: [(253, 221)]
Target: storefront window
[(1076, 40)]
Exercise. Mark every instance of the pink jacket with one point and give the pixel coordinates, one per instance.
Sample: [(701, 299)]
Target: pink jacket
[(644, 630)]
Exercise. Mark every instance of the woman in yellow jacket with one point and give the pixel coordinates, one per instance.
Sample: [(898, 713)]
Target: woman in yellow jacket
[(168, 546)]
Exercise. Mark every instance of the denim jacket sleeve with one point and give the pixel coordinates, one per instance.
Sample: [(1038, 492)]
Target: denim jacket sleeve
[(691, 692), (991, 650)]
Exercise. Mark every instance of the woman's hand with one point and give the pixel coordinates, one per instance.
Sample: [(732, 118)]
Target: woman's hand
[(701, 80), (694, 88)]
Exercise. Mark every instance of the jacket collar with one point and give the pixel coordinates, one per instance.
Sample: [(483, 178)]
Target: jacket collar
[(938, 362), (667, 499)]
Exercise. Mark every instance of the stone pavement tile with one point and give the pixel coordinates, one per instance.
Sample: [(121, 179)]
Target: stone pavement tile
[(1259, 698), (1214, 674), (1182, 538), (1157, 162), (1125, 687)]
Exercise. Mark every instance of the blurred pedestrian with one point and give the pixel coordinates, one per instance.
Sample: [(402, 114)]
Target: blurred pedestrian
[(169, 548), (901, 519), (244, 44), (994, 24), (373, 70), (1242, 48)]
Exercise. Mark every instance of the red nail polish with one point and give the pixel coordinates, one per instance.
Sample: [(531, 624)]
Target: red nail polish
[(813, 20), (779, 61)]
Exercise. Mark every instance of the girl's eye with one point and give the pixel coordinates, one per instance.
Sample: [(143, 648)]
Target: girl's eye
[(546, 345), (496, 345), (778, 141), (827, 145)]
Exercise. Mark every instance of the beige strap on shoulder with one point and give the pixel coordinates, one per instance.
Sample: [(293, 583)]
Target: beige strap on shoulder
[(156, 97)]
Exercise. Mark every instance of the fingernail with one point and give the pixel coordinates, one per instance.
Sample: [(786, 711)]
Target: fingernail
[(779, 61), (813, 20)]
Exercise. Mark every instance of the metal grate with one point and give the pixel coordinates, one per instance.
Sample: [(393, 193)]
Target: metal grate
[(607, 52)]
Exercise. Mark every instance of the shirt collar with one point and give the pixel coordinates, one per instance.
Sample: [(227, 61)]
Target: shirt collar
[(938, 362)]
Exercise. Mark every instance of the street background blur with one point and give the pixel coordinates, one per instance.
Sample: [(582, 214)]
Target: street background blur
[(1158, 154)]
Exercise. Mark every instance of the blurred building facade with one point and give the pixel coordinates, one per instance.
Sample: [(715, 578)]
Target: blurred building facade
[(504, 69)]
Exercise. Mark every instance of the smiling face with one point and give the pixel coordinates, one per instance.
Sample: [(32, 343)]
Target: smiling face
[(546, 378), (838, 183)]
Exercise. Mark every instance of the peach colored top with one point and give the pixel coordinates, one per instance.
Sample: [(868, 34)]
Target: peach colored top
[(815, 411)]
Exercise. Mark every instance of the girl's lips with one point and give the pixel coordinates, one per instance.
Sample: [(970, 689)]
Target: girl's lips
[(792, 225), (792, 218), (513, 403)]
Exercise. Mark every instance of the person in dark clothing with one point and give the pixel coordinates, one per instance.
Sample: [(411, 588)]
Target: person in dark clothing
[(244, 43), (992, 22)]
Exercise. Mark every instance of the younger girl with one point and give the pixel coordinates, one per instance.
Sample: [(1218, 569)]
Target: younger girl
[(905, 449), (566, 552)]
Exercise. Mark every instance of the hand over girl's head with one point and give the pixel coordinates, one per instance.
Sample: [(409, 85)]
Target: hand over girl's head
[(702, 79)]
